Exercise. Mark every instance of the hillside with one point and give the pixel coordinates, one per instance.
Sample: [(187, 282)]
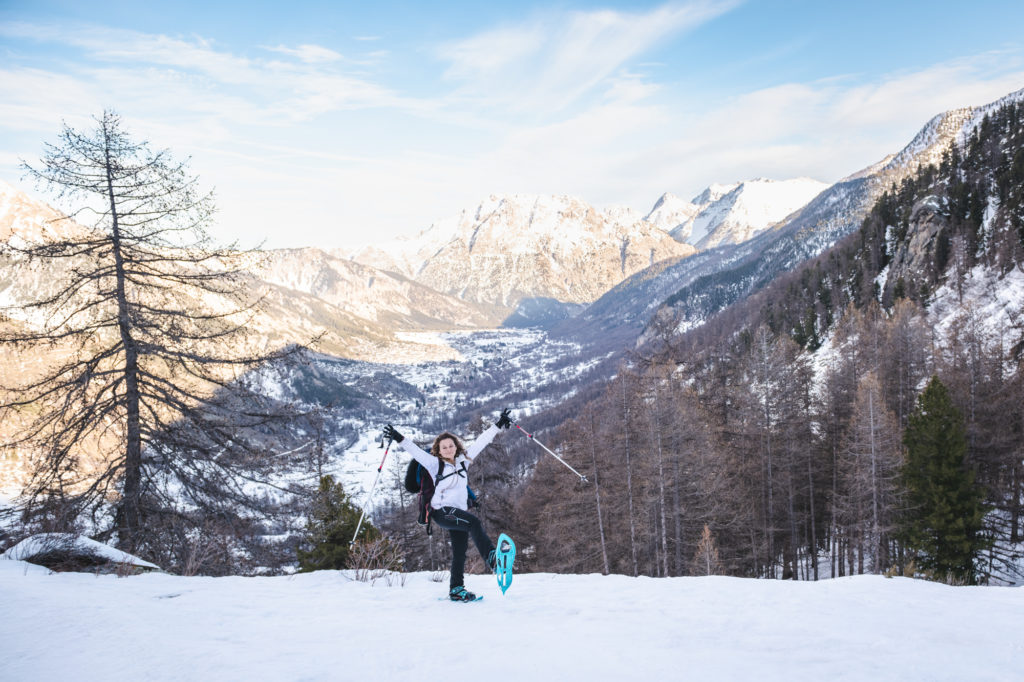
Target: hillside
[(959, 217), (690, 291), (326, 626), (757, 423), (745, 326)]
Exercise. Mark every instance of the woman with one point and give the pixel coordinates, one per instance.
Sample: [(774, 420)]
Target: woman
[(450, 501)]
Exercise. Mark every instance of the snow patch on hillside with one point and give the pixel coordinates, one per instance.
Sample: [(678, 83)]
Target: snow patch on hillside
[(993, 302)]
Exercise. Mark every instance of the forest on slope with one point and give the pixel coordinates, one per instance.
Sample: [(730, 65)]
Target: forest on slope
[(776, 440)]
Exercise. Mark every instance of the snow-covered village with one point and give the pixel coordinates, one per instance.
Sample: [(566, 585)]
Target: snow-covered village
[(660, 340)]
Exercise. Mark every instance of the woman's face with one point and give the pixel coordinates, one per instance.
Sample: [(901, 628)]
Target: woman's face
[(448, 449)]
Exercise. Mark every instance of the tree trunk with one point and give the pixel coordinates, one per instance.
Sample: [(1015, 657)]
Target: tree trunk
[(1015, 491), (661, 482), (606, 569), (814, 527), (876, 538), (129, 512), (677, 516), (629, 479)]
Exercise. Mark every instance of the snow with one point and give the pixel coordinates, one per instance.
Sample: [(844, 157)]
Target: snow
[(749, 208), (329, 626), (995, 301), (977, 114), (671, 212), (67, 541)]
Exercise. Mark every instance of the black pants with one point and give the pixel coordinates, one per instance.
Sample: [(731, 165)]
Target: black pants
[(460, 526)]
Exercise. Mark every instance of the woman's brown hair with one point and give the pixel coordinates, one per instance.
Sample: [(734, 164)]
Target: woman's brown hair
[(435, 449)]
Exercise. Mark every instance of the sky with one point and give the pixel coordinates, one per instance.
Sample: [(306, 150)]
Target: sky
[(327, 626), (337, 124)]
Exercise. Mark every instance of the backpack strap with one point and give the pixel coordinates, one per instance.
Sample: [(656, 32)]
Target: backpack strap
[(459, 471)]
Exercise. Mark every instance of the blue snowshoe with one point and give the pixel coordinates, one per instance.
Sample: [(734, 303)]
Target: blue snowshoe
[(504, 557), (462, 594)]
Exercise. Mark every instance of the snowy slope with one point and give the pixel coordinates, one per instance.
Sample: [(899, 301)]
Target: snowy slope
[(326, 626), (751, 208), (731, 214), (674, 215)]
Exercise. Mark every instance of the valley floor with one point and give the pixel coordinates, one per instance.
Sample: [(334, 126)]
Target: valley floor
[(328, 626)]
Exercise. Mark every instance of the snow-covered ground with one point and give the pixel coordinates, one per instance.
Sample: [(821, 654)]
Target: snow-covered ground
[(327, 626)]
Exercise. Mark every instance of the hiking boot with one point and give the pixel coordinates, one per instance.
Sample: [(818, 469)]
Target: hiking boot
[(492, 562), (461, 594)]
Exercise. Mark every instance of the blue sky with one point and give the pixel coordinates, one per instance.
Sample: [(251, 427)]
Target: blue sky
[(335, 123)]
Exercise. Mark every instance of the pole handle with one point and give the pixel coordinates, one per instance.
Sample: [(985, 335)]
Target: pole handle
[(369, 494)]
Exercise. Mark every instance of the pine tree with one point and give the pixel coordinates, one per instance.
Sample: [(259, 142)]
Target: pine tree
[(945, 512), (329, 530)]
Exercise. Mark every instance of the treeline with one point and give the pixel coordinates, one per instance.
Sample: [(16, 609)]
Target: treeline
[(793, 436)]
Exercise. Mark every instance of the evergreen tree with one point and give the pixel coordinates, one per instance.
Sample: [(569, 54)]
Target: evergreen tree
[(945, 513), (329, 530)]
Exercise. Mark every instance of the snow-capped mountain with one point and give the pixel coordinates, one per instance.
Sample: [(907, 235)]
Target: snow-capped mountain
[(675, 215), (306, 292), (750, 208), (731, 214), (22, 217), (511, 248), (699, 286)]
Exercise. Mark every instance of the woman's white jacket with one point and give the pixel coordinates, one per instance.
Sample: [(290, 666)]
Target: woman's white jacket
[(451, 491)]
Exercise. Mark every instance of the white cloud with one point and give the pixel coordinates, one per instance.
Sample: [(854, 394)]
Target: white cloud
[(36, 100), (554, 105), (826, 129), (311, 54), (143, 67), (547, 64)]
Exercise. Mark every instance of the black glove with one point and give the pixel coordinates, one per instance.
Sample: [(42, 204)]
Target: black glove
[(504, 421), (392, 433)]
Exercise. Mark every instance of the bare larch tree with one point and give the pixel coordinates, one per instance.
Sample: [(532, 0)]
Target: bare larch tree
[(144, 409)]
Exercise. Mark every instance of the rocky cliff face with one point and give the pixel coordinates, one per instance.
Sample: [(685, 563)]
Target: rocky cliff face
[(514, 248), (380, 296)]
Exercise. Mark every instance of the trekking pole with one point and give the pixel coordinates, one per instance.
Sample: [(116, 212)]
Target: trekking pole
[(583, 479), (370, 493)]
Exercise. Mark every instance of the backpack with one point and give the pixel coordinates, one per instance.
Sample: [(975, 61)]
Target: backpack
[(418, 480)]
